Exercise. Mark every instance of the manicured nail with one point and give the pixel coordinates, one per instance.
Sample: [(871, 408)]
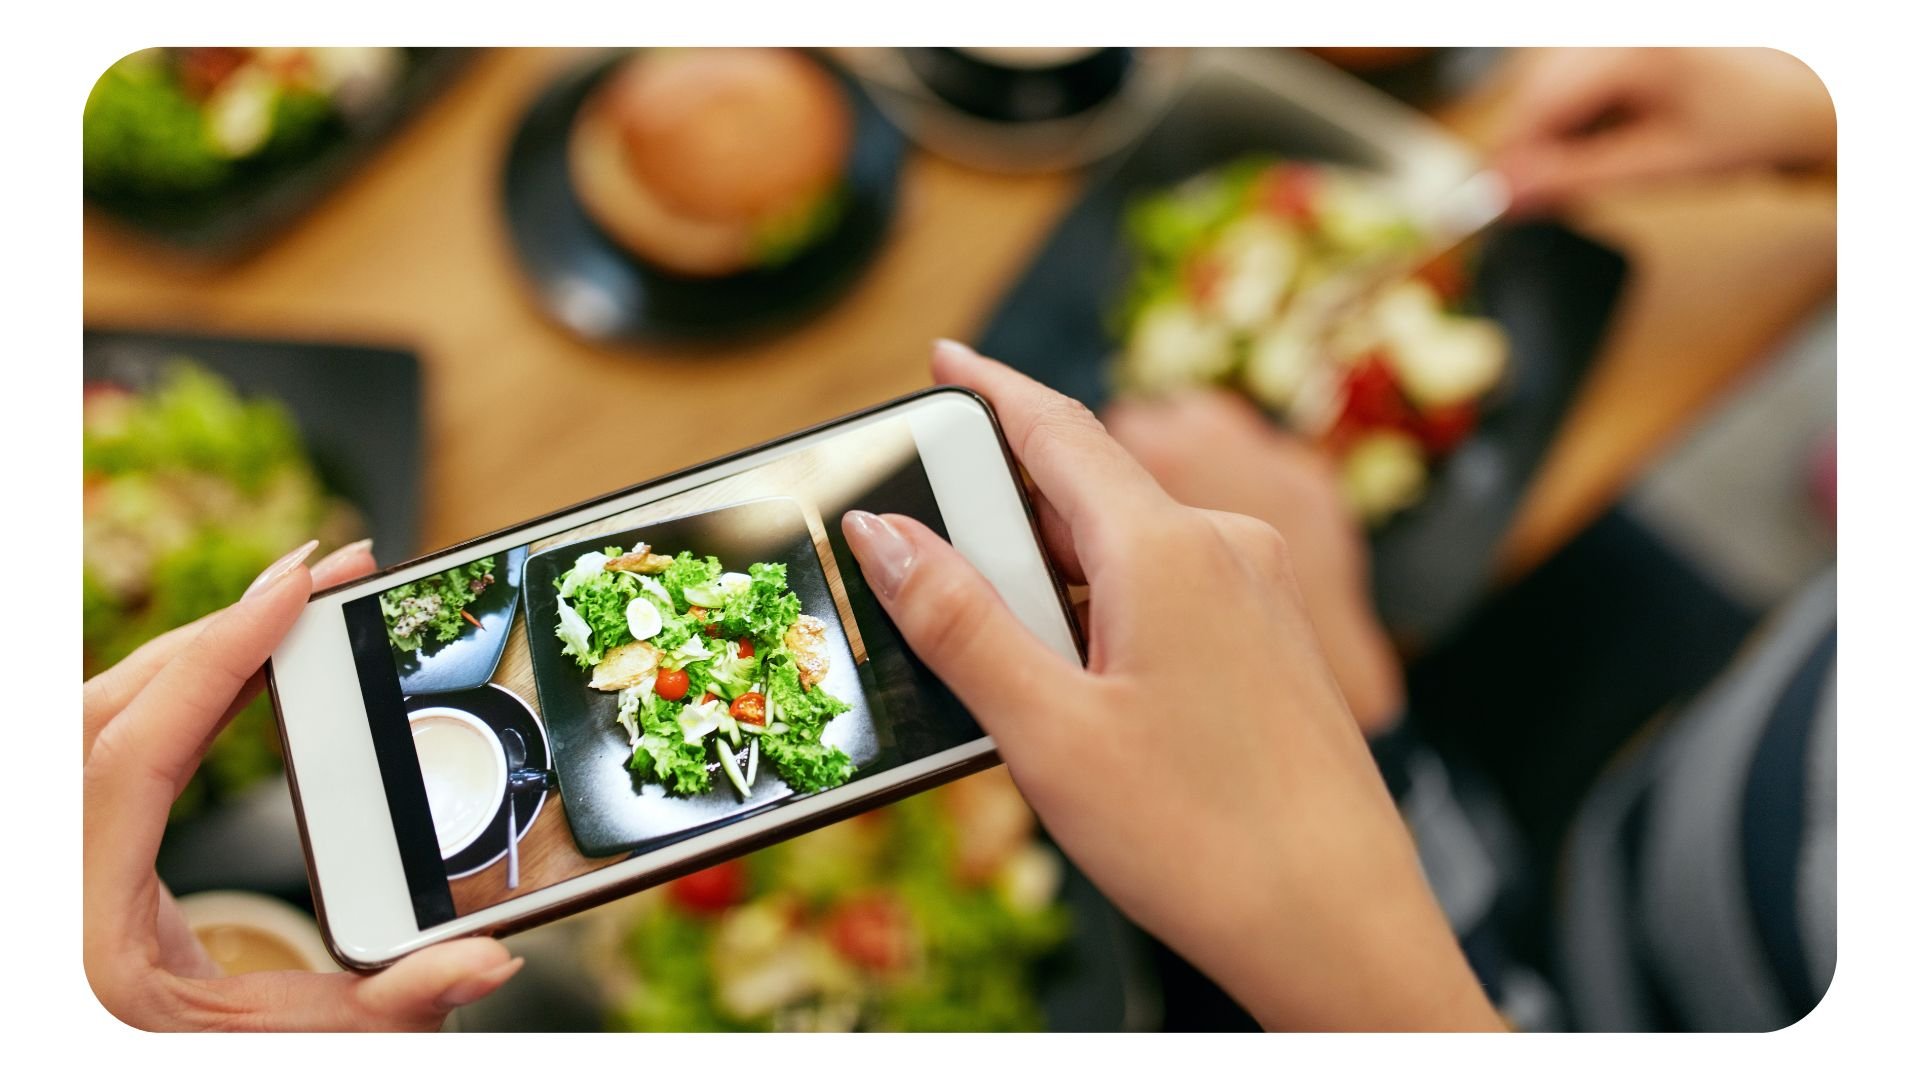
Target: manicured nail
[(949, 349), (885, 555), (341, 554), (281, 567), (474, 987)]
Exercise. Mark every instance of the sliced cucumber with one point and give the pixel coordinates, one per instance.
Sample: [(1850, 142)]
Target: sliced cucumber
[(732, 769)]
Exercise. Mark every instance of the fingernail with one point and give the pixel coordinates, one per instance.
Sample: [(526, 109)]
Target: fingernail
[(885, 555), (341, 554), (950, 349), (281, 567), (474, 987)]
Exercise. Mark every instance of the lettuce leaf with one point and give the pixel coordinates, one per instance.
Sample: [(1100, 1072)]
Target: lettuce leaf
[(687, 570), (764, 609), (804, 710), (664, 756), (806, 766)]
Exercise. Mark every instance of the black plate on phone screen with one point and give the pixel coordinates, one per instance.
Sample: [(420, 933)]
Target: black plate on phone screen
[(468, 660), (1551, 290), (610, 812), (594, 287)]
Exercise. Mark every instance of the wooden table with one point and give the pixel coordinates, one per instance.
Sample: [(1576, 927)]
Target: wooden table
[(522, 418)]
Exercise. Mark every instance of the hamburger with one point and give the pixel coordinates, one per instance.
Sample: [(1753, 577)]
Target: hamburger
[(708, 162)]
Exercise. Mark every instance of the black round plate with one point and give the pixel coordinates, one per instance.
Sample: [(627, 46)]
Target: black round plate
[(591, 285), (468, 660), (500, 709)]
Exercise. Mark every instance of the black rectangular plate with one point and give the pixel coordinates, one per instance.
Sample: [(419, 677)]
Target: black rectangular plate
[(1552, 291), (237, 218), (357, 407), (610, 812)]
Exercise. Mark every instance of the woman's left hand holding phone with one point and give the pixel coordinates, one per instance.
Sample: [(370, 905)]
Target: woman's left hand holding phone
[(148, 721)]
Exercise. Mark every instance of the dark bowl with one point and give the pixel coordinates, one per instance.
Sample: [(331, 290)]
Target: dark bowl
[(589, 283)]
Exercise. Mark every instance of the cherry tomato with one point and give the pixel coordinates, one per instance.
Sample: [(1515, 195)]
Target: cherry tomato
[(1446, 427), (746, 647), (671, 685), (712, 630), (712, 890), (873, 932), (710, 696), (1373, 395), (750, 708), (1291, 192), (1203, 274)]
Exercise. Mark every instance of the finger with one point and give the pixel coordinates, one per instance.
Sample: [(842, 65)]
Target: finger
[(1564, 91), (420, 990), (1058, 540), (1087, 477), (143, 756), (108, 692), (415, 994), (1553, 176), (957, 624)]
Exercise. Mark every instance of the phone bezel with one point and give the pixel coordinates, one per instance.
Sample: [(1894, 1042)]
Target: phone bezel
[(366, 934)]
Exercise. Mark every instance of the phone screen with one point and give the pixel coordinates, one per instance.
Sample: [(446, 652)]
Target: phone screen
[(661, 672)]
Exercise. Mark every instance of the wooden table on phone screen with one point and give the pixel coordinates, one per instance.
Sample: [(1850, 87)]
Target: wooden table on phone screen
[(522, 417)]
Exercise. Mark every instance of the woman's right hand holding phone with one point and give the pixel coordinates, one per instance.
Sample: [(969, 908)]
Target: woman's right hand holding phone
[(1203, 768)]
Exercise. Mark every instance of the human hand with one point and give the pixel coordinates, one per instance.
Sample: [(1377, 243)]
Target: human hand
[(1583, 120), (1215, 450), (147, 722), (1202, 768)]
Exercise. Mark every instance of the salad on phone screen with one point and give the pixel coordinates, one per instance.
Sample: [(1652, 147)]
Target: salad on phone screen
[(704, 661)]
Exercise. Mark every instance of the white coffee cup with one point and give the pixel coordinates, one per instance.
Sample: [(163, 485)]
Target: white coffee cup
[(465, 771)]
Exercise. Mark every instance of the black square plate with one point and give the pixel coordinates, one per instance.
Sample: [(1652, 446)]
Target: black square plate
[(357, 407), (1552, 291), (238, 217), (610, 811)]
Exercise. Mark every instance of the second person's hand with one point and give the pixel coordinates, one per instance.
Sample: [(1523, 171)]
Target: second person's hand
[(1202, 768)]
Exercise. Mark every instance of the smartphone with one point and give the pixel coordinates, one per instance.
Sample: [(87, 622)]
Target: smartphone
[(574, 708)]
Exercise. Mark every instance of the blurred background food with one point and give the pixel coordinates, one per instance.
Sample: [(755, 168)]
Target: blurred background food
[(769, 238), (1238, 281), (698, 196), (190, 491), (213, 147), (934, 914), (714, 161)]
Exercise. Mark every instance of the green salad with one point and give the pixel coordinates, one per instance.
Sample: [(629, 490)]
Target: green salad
[(173, 123), (1243, 278), (708, 665), (435, 607), (934, 914), (189, 491)]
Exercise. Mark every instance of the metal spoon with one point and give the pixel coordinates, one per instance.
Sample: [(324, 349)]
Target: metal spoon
[(516, 747)]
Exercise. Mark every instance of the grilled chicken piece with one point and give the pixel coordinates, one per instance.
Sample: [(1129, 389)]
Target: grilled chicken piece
[(625, 665), (807, 643), (641, 560)]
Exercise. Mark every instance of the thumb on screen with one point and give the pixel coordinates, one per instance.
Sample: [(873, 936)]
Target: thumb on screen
[(957, 624)]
